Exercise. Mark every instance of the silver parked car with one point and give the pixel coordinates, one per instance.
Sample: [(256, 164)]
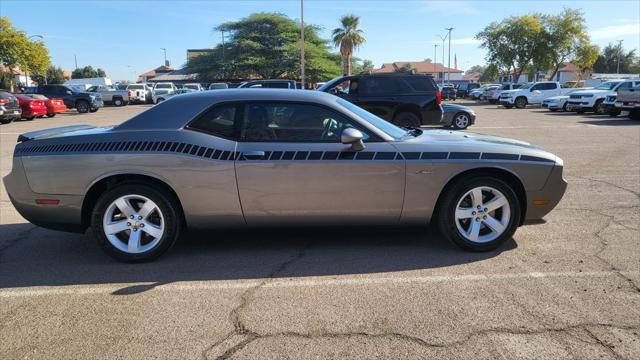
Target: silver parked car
[(247, 157)]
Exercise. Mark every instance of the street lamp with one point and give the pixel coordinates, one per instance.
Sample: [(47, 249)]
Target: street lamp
[(618, 57), (165, 55), (435, 49), (26, 72), (449, 61), (443, 38), (302, 44)]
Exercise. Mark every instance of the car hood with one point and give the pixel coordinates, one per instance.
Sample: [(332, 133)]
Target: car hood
[(560, 97), (589, 92), (463, 141), (511, 91), (448, 108)]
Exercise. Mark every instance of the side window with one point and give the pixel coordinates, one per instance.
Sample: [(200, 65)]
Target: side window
[(289, 122), (49, 89), (60, 90), (625, 85), (92, 89), (549, 86), (537, 87), (219, 121), (382, 86)]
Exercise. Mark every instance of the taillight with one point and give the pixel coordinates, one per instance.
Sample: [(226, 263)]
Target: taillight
[(439, 97), (4, 101), (130, 93)]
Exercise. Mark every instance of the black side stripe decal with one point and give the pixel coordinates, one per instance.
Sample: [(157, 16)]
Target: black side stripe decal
[(226, 155)]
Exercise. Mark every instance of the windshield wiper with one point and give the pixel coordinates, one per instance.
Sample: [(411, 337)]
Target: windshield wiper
[(414, 131)]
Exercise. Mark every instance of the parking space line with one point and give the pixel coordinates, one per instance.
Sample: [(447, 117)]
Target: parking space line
[(293, 283)]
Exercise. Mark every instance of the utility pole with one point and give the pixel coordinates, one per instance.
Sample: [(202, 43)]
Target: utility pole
[(165, 55), (76, 59), (449, 62), (302, 43), (435, 49), (618, 60)]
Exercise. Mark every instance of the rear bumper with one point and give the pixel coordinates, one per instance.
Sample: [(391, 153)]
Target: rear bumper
[(66, 216)]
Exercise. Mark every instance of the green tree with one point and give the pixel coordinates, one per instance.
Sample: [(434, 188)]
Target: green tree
[(87, 72), (17, 51), (490, 73), (266, 45), (361, 66), (514, 42), (476, 69), (348, 38), (585, 56), (55, 75), (607, 62), (406, 68), (564, 35)]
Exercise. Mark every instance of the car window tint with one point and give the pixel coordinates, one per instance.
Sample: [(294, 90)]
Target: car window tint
[(277, 85), (625, 85), (385, 85), (218, 121), (549, 86), (422, 83), (289, 122)]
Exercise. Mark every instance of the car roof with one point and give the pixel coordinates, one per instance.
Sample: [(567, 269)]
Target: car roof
[(178, 111)]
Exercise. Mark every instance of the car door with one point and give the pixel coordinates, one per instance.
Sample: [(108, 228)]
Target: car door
[(292, 168), (536, 93)]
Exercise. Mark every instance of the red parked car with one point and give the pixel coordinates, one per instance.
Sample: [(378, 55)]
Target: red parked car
[(54, 105), (31, 108)]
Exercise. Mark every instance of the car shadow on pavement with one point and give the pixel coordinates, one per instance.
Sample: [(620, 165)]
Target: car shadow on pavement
[(40, 257), (609, 121)]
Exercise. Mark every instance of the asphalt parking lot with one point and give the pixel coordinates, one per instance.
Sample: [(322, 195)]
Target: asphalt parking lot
[(565, 288)]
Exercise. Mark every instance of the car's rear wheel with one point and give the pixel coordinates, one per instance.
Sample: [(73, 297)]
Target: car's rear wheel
[(6, 121), (521, 102), (461, 121), (407, 119), (598, 108), (479, 213), (136, 222), (51, 115), (118, 102)]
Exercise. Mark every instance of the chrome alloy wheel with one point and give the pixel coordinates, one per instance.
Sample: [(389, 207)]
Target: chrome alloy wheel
[(482, 214), (133, 224), (462, 121)]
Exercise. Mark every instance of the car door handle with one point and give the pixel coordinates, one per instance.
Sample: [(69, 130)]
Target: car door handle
[(253, 155)]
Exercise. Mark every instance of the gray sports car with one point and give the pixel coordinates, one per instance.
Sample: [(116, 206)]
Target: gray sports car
[(246, 157)]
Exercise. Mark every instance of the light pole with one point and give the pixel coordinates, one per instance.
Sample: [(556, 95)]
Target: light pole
[(302, 43), (165, 55), (224, 65), (26, 72), (443, 40), (435, 51), (449, 61), (618, 59)]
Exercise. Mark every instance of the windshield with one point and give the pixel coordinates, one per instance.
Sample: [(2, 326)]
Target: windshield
[(77, 89), (331, 83), (164, 86), (379, 123), (526, 86), (191, 86), (608, 85), (136, 87)]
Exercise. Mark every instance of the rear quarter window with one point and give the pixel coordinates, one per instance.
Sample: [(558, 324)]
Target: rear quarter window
[(420, 83), (219, 121)]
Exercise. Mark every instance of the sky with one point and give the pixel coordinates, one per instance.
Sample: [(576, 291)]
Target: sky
[(125, 37)]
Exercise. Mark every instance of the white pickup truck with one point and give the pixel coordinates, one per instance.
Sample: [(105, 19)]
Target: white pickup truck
[(593, 100), (629, 100), (530, 94)]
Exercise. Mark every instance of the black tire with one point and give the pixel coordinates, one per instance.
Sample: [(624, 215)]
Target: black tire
[(93, 110), (6, 121), (118, 102), (508, 106), (167, 205), (82, 106), (493, 102), (521, 102), (51, 115), (580, 111), (597, 107), (407, 119), (29, 118), (454, 123), (159, 100), (564, 107), (614, 113), (634, 114), (445, 215)]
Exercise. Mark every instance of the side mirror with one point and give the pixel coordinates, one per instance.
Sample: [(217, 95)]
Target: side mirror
[(353, 137), (69, 92)]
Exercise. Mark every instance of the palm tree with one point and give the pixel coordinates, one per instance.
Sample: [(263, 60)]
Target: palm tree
[(349, 38)]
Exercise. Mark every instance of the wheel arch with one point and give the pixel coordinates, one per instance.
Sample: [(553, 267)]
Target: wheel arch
[(109, 181), (499, 172)]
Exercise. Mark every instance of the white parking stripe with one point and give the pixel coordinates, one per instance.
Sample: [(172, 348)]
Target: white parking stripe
[(296, 282)]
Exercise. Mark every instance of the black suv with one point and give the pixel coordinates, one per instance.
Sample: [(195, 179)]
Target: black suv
[(9, 107), (407, 100), (73, 97)]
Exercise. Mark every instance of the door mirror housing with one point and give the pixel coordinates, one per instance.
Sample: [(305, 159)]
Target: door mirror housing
[(353, 137)]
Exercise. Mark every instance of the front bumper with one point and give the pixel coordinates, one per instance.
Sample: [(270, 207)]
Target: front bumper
[(97, 103), (506, 101), (552, 105), (541, 202)]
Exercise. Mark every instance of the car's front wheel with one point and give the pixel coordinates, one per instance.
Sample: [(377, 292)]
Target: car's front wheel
[(136, 222), (479, 213), (82, 106), (461, 121), (521, 103)]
